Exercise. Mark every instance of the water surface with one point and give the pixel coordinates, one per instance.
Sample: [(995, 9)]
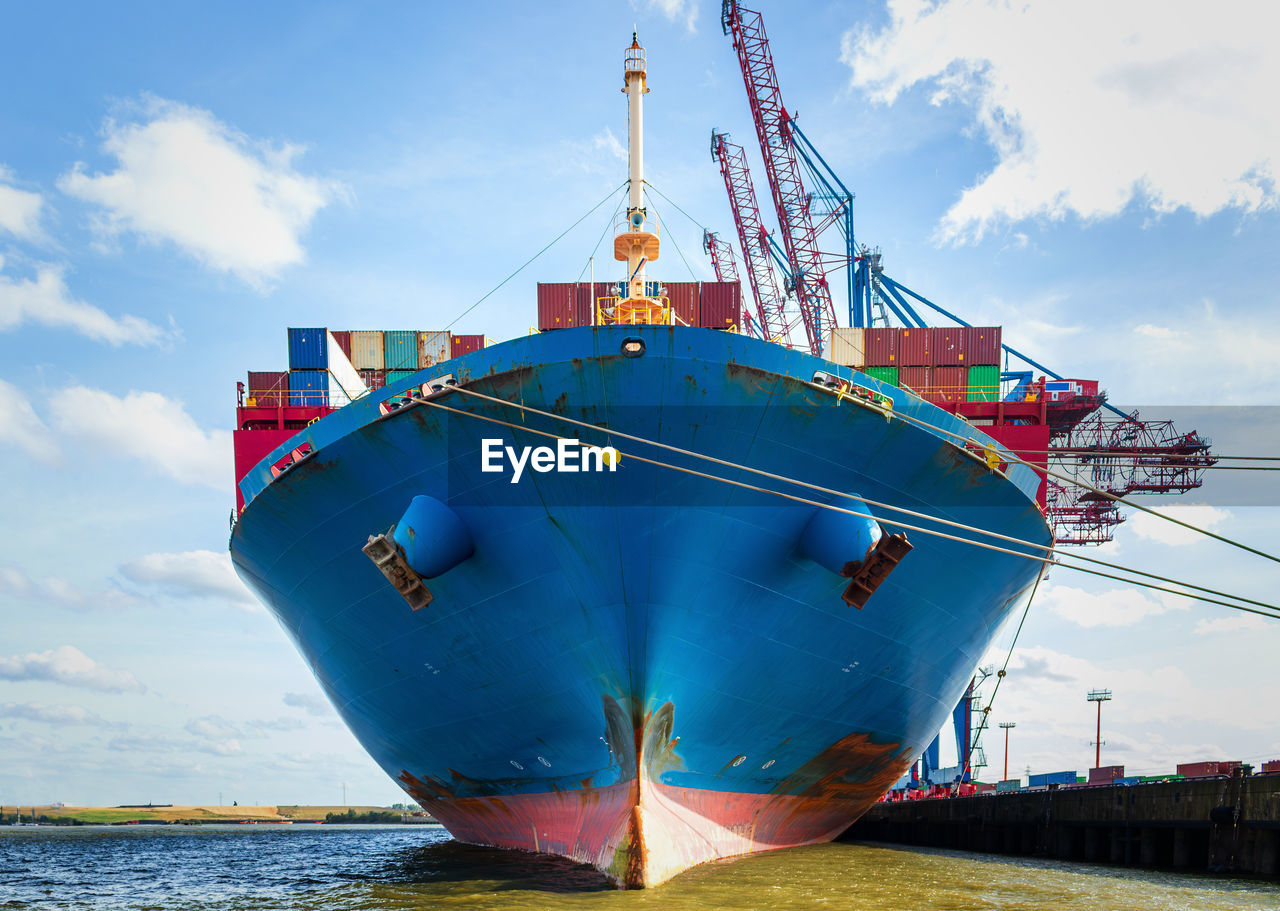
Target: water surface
[(194, 868)]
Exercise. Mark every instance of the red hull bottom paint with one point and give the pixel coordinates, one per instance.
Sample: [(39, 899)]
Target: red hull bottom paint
[(644, 839)]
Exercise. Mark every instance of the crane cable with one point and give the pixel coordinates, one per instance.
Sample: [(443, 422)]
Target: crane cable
[(1273, 610), (672, 235), (1004, 669), (1047, 548)]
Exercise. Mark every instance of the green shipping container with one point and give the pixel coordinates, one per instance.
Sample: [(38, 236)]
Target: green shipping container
[(885, 374), (400, 350), (395, 376), (984, 384)]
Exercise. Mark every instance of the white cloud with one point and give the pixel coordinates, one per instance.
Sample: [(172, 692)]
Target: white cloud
[(1117, 607), (1233, 624), (47, 300), (608, 142), (60, 592), (312, 705), (680, 11), (70, 666), (20, 425), (1092, 105), (234, 203), (19, 209), (147, 426), (1156, 529), (192, 574), (51, 714)]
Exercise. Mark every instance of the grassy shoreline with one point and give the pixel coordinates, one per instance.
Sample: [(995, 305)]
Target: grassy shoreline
[(195, 814)]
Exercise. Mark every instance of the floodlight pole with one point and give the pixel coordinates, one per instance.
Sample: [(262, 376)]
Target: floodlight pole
[(1099, 696)]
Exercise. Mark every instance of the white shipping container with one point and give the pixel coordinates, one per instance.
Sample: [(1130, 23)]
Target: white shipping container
[(847, 346), (433, 348), (366, 349)]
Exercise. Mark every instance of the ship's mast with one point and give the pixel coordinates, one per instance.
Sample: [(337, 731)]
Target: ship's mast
[(637, 245)]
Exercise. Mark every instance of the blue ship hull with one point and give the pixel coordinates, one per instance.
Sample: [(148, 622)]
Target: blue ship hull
[(642, 669)]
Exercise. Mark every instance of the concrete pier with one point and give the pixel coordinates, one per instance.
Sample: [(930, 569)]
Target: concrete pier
[(1213, 824)]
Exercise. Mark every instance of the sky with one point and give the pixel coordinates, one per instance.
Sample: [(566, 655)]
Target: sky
[(180, 183)]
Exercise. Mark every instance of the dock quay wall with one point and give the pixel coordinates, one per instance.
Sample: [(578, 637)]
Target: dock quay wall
[(1215, 824)]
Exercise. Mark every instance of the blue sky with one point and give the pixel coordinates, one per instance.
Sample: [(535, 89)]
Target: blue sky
[(179, 184)]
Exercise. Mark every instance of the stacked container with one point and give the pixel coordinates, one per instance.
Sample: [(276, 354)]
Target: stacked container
[(268, 390), (344, 342), (1048, 778), (881, 347), (683, 299), (883, 374), (720, 305), (400, 350), (309, 367), (433, 348), (847, 346), (464, 344), (984, 383), (915, 348), (560, 306), (367, 350), (374, 379), (395, 376), (1105, 774)]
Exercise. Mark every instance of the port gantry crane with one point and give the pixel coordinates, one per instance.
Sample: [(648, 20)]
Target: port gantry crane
[(725, 266), (1056, 424)]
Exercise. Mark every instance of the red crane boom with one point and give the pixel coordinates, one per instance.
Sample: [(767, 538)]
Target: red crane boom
[(726, 268), (770, 302), (799, 237)]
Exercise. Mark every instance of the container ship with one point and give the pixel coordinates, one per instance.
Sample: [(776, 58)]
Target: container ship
[(640, 589)]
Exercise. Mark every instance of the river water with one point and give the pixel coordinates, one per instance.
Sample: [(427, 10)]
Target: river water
[(401, 867)]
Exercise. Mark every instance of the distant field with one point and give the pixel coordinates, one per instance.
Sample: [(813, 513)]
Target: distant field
[(194, 813)]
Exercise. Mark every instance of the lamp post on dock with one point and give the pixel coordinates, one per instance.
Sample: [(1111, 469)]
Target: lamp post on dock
[(1007, 725), (1099, 696)]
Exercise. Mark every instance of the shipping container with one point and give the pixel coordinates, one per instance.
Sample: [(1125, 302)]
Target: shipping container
[(846, 346), (883, 374), (464, 344), (400, 349), (982, 346), (915, 348), (984, 383), (587, 297), (374, 379), (1270, 766), (948, 385), (1048, 778), (1127, 782), (1105, 774), (309, 387), (720, 305), (949, 347), (267, 389), (366, 350), (882, 347), (344, 342), (1009, 784), (1207, 769), (916, 379), (683, 299), (433, 348), (558, 305), (308, 349), (395, 376)]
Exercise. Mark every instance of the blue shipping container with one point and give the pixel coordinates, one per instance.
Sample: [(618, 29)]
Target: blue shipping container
[(308, 349), (1047, 778), (400, 349), (308, 387), (1132, 780)]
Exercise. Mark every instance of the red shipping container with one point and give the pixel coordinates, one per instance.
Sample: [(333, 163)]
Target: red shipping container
[(720, 305), (465, 344), (1106, 774), (982, 346), (374, 379), (914, 347), (916, 379), (1206, 769), (948, 384), (882, 347), (683, 298), (344, 342), (1271, 765), (268, 390), (557, 307), (950, 346)]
